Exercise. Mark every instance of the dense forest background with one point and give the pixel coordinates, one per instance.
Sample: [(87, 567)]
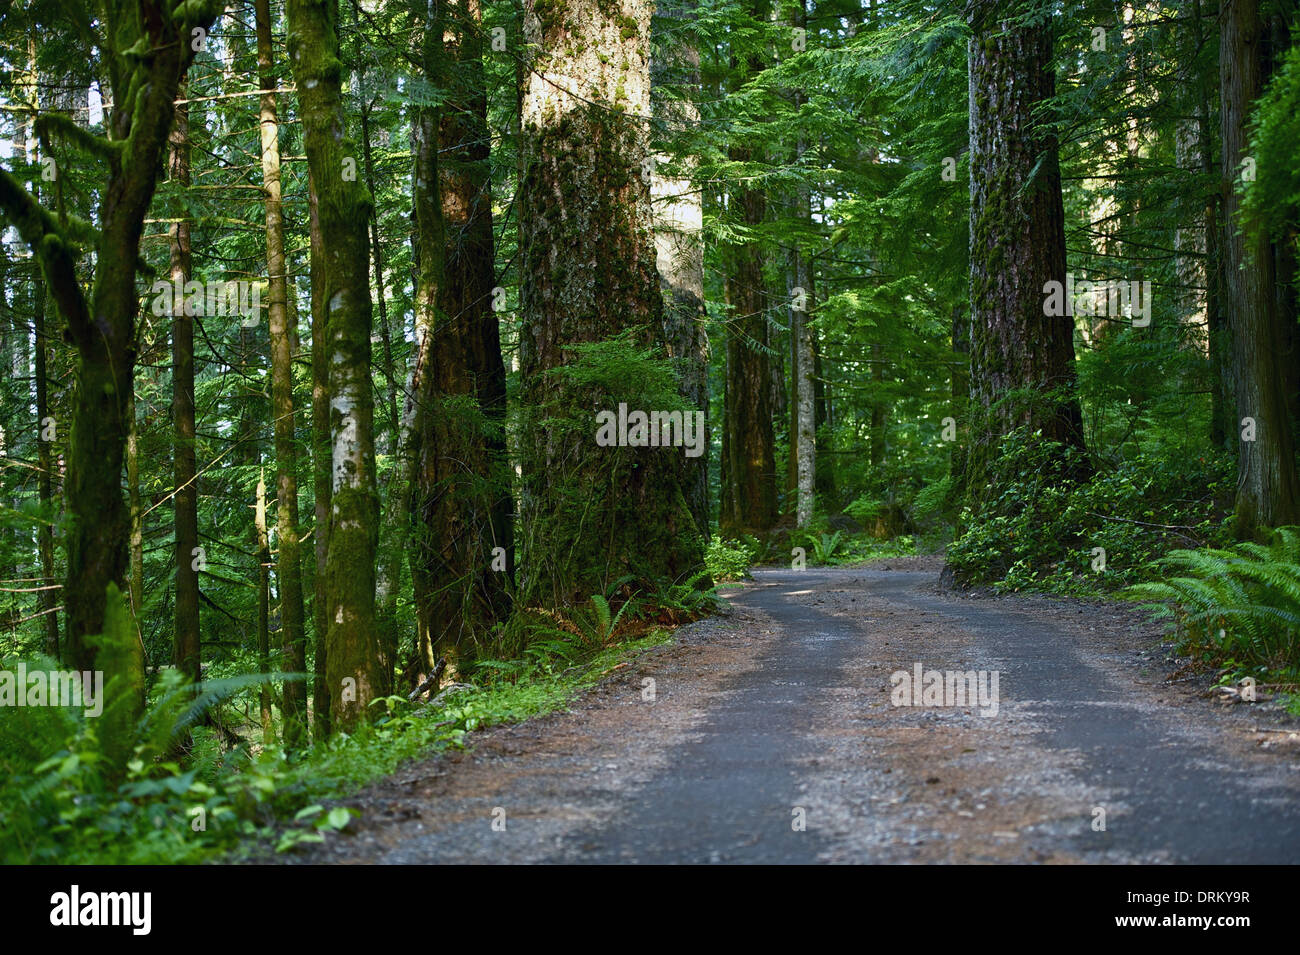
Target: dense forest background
[(310, 311)]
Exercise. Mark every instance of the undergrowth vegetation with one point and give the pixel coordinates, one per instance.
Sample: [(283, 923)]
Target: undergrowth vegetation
[(188, 794), (1089, 538), (1153, 526), (1237, 606)]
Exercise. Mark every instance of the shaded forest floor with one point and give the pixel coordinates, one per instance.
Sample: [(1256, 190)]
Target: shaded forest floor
[(782, 710)]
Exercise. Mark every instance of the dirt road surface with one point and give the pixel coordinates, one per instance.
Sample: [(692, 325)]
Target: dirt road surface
[(772, 735)]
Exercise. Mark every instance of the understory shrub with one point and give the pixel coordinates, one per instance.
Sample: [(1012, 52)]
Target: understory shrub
[(1101, 535)]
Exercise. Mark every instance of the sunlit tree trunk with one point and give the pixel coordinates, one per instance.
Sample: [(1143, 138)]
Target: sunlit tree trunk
[(806, 433), (321, 465), (263, 603), (593, 514), (803, 427)]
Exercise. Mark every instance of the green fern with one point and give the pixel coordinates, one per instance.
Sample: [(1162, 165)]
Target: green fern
[(1242, 601), (825, 546)]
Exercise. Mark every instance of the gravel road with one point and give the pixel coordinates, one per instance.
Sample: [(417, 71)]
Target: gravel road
[(772, 735)]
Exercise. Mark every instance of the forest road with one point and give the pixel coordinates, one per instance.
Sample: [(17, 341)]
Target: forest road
[(773, 736)]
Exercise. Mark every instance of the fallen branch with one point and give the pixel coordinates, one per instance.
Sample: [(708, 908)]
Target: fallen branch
[(430, 683)]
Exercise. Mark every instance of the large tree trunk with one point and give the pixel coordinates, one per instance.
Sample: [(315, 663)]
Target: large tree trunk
[(1268, 492), (678, 204), (959, 384), (47, 599), (593, 514), (104, 333), (460, 489), (749, 445), (749, 463), (289, 564), (321, 465), (344, 207), (185, 639), (1017, 246)]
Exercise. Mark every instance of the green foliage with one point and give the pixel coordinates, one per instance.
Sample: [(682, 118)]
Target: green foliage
[(69, 794), (824, 545), (1238, 604), (933, 500), (728, 559), (120, 656), (865, 509), (1036, 533), (596, 623), (57, 803), (1272, 198), (677, 602)]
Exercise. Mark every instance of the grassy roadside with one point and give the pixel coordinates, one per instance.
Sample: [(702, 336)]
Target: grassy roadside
[(347, 764), (228, 804)]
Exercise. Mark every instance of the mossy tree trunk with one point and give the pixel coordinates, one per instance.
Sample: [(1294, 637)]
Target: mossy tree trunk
[(1017, 245), (321, 465), (460, 490), (593, 514), (352, 675), (289, 563), (186, 646), (146, 54)]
